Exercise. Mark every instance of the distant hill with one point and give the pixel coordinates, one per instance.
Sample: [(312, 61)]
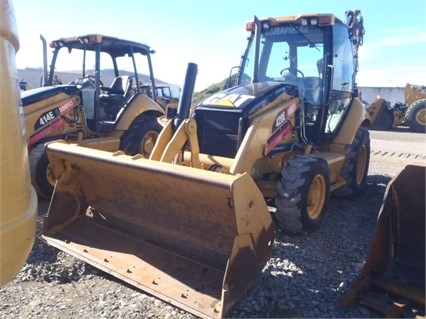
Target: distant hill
[(210, 90), (33, 77)]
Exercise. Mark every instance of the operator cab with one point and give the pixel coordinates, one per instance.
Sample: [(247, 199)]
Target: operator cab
[(106, 73), (296, 50)]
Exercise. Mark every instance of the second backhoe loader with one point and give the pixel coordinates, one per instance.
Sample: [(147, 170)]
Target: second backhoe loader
[(108, 116), (193, 224)]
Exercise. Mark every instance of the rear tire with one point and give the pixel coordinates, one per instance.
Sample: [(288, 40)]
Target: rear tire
[(141, 136), (303, 194), (40, 171), (416, 116), (355, 168)]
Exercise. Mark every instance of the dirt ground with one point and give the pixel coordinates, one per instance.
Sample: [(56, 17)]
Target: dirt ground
[(392, 150), (54, 285)]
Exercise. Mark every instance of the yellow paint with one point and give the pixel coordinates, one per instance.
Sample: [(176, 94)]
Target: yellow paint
[(18, 202)]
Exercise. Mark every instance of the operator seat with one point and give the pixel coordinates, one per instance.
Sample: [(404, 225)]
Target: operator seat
[(116, 95), (118, 89)]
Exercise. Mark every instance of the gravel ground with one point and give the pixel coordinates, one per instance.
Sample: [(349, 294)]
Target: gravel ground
[(305, 277)]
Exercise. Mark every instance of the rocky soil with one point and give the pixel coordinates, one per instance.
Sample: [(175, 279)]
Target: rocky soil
[(305, 277)]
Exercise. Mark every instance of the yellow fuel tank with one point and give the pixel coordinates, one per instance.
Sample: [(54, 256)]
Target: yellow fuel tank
[(18, 201)]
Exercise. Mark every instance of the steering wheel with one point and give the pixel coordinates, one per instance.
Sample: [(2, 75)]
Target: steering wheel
[(87, 81), (92, 81), (292, 72)]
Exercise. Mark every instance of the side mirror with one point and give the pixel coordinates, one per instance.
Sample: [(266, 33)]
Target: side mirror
[(233, 78)]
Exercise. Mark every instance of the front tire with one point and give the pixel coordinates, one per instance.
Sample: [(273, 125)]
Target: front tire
[(303, 193), (40, 171), (416, 116), (141, 136), (355, 168)]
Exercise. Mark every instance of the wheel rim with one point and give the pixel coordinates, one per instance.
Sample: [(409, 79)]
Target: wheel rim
[(148, 142), (421, 117), (49, 175), (361, 165), (316, 197)]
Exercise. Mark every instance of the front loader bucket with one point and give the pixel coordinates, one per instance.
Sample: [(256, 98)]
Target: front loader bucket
[(392, 280), (194, 238)]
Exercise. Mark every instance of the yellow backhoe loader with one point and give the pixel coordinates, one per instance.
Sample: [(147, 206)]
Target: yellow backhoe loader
[(113, 116), (165, 98), (392, 280), (18, 199), (411, 114), (193, 224)]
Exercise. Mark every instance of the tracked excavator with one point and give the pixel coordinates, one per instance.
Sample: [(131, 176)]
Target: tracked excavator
[(18, 199), (194, 223)]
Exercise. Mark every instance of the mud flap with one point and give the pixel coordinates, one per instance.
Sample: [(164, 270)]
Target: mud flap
[(193, 238), (392, 280)]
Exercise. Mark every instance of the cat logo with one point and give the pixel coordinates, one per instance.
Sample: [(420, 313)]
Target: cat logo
[(231, 100)]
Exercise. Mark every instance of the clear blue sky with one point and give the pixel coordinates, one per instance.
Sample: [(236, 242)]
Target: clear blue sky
[(212, 33)]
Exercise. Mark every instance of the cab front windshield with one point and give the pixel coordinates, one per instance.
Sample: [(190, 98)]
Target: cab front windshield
[(287, 53)]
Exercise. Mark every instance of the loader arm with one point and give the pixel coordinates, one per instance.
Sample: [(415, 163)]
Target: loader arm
[(180, 131), (170, 144)]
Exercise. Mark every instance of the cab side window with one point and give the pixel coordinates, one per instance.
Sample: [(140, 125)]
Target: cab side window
[(343, 64), (342, 85)]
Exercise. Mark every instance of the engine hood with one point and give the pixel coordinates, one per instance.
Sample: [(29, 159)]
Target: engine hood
[(249, 97), (39, 94)]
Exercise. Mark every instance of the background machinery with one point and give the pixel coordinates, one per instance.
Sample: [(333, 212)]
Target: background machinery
[(18, 199), (193, 224), (116, 116), (24, 86), (411, 113), (165, 98)]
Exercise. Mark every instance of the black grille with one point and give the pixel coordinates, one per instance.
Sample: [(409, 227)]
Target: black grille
[(218, 131)]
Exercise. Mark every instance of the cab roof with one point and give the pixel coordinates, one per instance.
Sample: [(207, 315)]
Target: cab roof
[(112, 45), (328, 18)]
